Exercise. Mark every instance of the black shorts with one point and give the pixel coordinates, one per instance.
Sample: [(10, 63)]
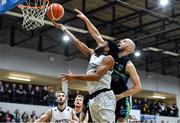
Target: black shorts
[(123, 108)]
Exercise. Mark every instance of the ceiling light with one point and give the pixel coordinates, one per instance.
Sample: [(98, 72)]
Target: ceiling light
[(66, 38), (19, 78), (170, 53), (164, 2), (158, 97), (137, 54), (152, 49)]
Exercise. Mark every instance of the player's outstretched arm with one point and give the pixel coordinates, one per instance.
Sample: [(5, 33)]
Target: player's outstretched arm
[(45, 117), (85, 50), (106, 65), (130, 68), (92, 29)]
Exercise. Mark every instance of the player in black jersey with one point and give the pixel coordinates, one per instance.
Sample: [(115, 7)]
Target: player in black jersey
[(123, 70)]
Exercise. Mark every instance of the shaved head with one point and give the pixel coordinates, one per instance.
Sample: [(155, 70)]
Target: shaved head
[(126, 45), (131, 44)]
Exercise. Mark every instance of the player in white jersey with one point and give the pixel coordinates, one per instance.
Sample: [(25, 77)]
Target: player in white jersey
[(102, 100), (61, 113)]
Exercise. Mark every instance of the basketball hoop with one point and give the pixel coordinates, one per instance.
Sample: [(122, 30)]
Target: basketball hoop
[(33, 13)]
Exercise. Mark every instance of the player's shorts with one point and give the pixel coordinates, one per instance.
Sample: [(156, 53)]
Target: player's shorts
[(102, 107), (123, 108)]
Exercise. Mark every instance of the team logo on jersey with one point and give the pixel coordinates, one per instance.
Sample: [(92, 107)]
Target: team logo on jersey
[(62, 121), (115, 77), (93, 67), (120, 67)]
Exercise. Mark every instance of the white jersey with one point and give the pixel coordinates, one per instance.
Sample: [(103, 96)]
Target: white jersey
[(104, 81), (63, 116)]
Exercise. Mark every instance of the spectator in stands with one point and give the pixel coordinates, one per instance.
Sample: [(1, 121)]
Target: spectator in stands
[(51, 99), (175, 110), (7, 93), (1, 90), (44, 96), (25, 117), (13, 93), (152, 108), (37, 95), (2, 115), (135, 104), (29, 94), (33, 115), (8, 118), (17, 117), (21, 94)]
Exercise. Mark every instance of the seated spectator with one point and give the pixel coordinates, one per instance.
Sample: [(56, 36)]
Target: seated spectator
[(44, 96), (33, 115), (29, 94), (20, 94), (37, 96), (13, 95), (17, 117), (8, 118), (2, 115), (7, 93), (135, 104), (1, 90), (52, 98), (25, 117)]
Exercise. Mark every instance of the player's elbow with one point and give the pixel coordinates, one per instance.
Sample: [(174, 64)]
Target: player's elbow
[(138, 88), (96, 77)]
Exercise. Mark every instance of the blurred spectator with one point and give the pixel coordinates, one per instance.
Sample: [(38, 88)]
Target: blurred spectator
[(175, 110), (25, 117), (29, 94), (2, 115), (7, 93), (51, 99), (20, 94), (135, 104), (17, 117), (13, 95), (44, 96), (154, 107), (8, 118), (1, 91), (33, 115), (37, 96)]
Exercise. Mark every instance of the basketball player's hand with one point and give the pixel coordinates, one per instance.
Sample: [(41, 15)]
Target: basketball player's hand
[(80, 14), (118, 97), (67, 77), (58, 26)]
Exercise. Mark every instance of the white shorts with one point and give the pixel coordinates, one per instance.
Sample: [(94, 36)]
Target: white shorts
[(102, 107)]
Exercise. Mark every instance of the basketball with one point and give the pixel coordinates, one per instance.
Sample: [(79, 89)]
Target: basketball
[(55, 12)]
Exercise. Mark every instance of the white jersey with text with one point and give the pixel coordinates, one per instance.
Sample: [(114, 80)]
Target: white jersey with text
[(104, 81), (64, 116)]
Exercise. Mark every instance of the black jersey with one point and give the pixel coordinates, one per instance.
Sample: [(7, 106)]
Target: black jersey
[(119, 76)]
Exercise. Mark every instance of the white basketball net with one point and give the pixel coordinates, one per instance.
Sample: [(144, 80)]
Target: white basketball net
[(33, 13)]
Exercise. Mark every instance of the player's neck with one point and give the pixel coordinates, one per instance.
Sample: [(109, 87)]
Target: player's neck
[(61, 107), (77, 109), (121, 54)]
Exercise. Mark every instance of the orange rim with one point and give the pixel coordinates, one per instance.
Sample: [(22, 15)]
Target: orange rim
[(37, 7)]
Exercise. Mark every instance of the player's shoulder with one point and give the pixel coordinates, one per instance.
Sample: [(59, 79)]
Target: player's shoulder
[(109, 58)]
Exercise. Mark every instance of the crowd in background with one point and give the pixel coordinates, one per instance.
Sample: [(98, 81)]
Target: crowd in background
[(42, 95), (155, 107), (26, 94), (17, 117)]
